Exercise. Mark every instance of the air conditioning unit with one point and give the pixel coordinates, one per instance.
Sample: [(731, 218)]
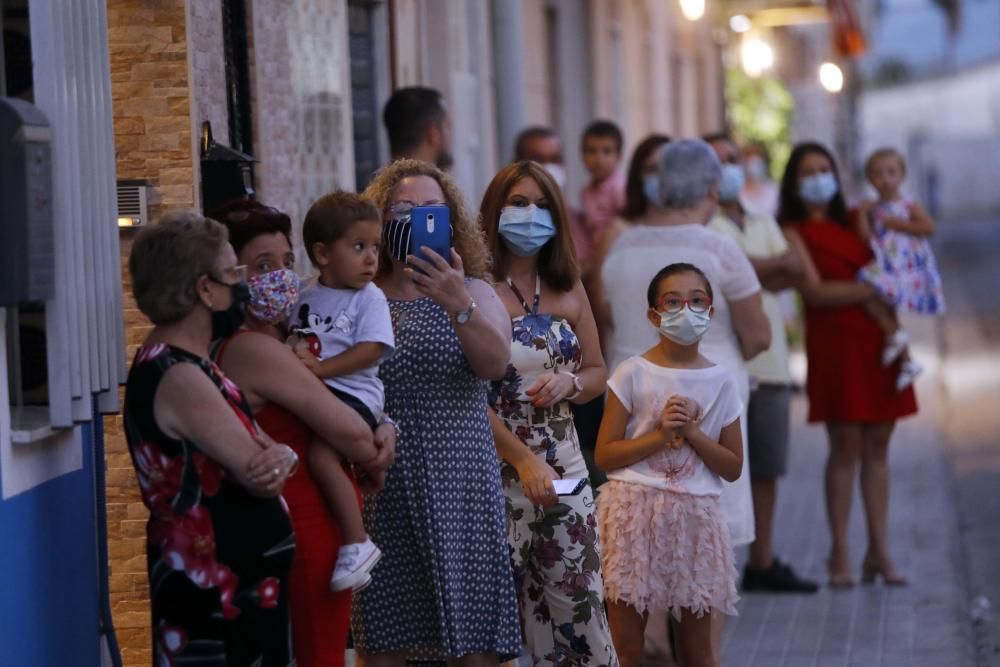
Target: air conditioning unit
[(132, 208)]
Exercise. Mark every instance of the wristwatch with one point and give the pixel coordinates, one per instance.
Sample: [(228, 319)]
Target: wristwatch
[(578, 384), (463, 316)]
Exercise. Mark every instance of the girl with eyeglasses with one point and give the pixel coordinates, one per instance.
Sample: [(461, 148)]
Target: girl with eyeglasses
[(670, 436)]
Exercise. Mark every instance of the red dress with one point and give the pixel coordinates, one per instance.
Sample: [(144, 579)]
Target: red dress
[(320, 618), (846, 381)]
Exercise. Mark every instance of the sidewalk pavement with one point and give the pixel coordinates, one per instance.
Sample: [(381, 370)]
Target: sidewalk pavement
[(925, 623)]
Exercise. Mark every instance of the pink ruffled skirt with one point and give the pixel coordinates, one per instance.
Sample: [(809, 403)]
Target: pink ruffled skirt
[(662, 550)]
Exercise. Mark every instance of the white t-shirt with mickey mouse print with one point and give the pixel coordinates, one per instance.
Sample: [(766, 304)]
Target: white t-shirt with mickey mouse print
[(334, 320)]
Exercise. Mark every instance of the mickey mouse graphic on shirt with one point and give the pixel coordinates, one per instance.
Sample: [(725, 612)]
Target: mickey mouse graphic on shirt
[(310, 326)]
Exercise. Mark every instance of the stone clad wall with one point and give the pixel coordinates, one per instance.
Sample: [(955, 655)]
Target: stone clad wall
[(150, 91)]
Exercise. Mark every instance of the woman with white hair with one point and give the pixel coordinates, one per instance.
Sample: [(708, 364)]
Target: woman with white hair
[(670, 231)]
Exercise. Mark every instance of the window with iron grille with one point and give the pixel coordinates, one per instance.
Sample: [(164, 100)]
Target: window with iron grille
[(237, 54)]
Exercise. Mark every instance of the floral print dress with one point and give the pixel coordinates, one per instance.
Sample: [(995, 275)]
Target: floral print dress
[(904, 271), (554, 550), (218, 557)]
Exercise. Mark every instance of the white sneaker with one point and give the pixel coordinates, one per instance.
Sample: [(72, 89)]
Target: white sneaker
[(908, 372), (895, 345), (354, 562)]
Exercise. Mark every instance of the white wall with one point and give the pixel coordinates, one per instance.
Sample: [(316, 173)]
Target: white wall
[(950, 125), (445, 44)]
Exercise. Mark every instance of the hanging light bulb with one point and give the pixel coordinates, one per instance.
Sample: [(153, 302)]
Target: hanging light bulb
[(831, 77), (757, 56), (693, 9)]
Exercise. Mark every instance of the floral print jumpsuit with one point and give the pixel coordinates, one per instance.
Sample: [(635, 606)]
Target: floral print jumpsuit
[(554, 550)]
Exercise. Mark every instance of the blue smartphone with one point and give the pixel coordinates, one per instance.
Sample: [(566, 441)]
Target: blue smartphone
[(431, 228)]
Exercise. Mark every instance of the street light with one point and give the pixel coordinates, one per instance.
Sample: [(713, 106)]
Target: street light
[(831, 78), (693, 9), (757, 56), (740, 23)]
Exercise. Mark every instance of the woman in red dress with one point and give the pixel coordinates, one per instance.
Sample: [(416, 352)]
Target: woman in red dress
[(849, 389), (290, 404)]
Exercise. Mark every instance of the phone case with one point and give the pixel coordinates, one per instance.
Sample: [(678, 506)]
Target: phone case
[(431, 228)]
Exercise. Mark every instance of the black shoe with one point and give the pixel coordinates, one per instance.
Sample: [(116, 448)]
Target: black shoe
[(779, 578)]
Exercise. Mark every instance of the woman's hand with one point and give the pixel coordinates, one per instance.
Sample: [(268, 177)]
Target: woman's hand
[(444, 283), (272, 466), (551, 388), (371, 474), (536, 480), (385, 443)]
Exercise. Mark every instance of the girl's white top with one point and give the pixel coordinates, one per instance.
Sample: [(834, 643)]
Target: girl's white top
[(643, 388), (634, 258)]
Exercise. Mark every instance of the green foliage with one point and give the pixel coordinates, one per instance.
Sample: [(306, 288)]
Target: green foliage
[(760, 111)]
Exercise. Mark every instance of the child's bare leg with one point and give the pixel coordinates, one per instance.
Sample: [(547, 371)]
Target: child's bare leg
[(883, 314), (627, 629), (694, 640), (328, 469)]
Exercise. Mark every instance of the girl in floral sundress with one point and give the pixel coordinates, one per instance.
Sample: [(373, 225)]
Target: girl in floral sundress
[(555, 360), (670, 435), (904, 272)]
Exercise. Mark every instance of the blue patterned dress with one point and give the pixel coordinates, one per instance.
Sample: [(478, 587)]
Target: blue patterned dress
[(557, 564), (444, 587)]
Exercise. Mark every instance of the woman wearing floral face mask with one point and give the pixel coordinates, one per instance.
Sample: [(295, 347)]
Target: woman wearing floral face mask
[(291, 404), (219, 541), (555, 361), (850, 391)]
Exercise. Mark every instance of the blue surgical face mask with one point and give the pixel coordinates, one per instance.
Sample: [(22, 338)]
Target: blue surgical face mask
[(818, 188), (756, 168), (526, 229), (651, 188), (731, 183)]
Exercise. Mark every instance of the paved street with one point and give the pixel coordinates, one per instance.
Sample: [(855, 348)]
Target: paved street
[(945, 504)]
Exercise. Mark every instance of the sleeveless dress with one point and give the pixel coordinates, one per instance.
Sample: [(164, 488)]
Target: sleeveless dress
[(846, 381), (218, 557), (904, 271), (320, 617), (555, 551), (444, 588)]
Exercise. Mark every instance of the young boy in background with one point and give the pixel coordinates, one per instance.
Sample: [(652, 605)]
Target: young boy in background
[(604, 196)]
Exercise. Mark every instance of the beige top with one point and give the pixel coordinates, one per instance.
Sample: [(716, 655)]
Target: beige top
[(761, 237)]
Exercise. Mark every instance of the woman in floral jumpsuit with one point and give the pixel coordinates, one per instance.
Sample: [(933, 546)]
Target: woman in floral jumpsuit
[(555, 360)]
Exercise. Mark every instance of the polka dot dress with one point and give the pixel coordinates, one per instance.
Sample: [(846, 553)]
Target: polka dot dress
[(444, 587)]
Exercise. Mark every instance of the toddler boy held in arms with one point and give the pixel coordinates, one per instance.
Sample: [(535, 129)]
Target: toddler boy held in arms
[(342, 331)]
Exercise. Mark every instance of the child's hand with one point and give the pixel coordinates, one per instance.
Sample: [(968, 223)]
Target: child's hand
[(693, 412), (673, 416), (307, 358)]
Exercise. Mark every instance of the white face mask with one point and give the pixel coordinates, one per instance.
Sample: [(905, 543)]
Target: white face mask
[(685, 327), (557, 172)]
